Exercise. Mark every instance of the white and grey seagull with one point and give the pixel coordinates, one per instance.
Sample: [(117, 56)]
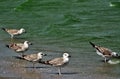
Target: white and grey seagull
[(104, 52), (14, 32), (34, 57), (19, 47), (58, 62)]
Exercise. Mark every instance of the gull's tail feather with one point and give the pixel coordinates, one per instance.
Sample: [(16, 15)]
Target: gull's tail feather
[(23, 56), (44, 62), (8, 46), (3, 28), (92, 44), (17, 57)]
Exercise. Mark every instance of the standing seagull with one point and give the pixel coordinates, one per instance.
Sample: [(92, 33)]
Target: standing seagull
[(19, 47), (14, 32), (104, 52), (34, 57), (58, 62)]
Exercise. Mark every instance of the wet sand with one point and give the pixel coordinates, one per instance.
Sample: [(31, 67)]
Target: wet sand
[(12, 67)]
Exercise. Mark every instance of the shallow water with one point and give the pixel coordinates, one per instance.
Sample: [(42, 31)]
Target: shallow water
[(54, 27)]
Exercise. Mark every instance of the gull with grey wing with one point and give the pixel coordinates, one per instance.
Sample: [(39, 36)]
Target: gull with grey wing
[(58, 62), (104, 52)]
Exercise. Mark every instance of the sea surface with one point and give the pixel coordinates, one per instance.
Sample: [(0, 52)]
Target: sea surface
[(58, 26)]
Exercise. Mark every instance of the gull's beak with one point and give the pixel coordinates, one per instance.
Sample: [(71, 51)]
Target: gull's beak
[(44, 54), (69, 56), (30, 43), (117, 55)]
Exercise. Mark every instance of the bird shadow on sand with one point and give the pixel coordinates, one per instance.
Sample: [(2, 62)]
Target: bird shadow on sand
[(65, 73), (102, 61), (21, 58), (36, 67), (18, 57)]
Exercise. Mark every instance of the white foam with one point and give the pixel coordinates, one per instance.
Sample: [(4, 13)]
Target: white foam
[(113, 61)]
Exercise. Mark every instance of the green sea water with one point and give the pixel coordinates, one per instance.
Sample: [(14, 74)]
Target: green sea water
[(58, 26)]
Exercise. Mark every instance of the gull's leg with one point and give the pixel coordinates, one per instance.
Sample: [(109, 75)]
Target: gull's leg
[(12, 40), (22, 54), (59, 70), (11, 36), (33, 64), (105, 60)]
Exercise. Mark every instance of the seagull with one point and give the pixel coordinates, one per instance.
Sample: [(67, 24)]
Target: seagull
[(58, 62), (19, 47), (14, 32), (34, 57), (104, 52)]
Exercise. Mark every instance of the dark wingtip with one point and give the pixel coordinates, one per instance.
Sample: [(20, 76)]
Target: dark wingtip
[(3, 28), (23, 56), (44, 62), (92, 44), (7, 46)]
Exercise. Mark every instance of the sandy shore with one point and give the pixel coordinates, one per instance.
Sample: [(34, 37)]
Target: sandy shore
[(14, 68), (10, 67)]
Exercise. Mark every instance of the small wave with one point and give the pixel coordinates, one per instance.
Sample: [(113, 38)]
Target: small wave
[(81, 0), (113, 61), (115, 4), (22, 5), (70, 19)]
